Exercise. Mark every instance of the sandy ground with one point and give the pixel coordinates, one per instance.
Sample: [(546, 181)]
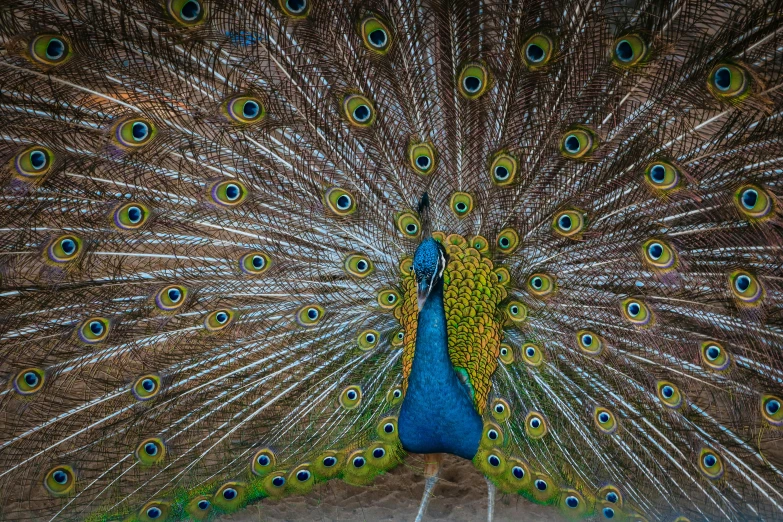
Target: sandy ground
[(461, 495)]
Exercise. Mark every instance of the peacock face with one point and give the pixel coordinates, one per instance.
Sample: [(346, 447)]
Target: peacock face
[(429, 262)]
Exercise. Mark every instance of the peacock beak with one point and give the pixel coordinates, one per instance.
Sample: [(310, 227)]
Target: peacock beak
[(422, 293)]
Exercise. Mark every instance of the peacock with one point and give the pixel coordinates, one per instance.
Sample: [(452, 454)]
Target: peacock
[(248, 247)]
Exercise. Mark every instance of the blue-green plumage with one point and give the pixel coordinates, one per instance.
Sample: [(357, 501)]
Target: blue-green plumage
[(437, 415)]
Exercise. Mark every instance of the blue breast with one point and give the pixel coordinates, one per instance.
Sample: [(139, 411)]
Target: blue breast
[(437, 414)]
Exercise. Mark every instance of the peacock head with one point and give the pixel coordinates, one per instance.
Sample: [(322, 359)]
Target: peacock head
[(429, 262)]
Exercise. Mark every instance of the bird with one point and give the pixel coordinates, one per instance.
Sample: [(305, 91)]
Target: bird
[(247, 248)]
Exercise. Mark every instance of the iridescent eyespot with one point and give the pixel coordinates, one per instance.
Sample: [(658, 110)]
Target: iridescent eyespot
[(228, 193), (408, 224), (130, 216), (310, 315), (710, 464), (503, 169), (728, 80), (541, 284), (503, 275), (146, 387), (669, 394), (541, 485), (610, 494), (636, 312), (394, 396), (772, 409), (578, 143), (368, 339), (422, 157), (506, 354), (154, 510), (516, 312), (659, 254), (662, 176), (745, 287), (295, 8), (753, 201), (573, 504), (34, 162), (479, 243), (60, 481), (329, 461), (589, 342), (51, 49), (29, 381), (199, 508), (351, 397), (254, 263), (263, 462), (219, 320), (359, 110), (568, 223), (187, 12), (535, 425), (537, 51), (375, 34), (532, 354), (473, 80), (388, 299), (508, 241), (340, 201), (134, 133), (229, 496), (629, 50), (500, 410), (387, 429), (93, 330), (358, 265), (715, 356), (150, 451), (493, 460), (397, 338), (170, 298), (518, 473), (63, 249), (605, 420), (244, 110), (461, 204)]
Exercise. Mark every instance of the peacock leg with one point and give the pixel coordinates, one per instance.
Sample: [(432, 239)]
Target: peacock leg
[(490, 500), (432, 462)]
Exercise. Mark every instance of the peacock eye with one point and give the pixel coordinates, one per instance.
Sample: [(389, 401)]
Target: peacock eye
[(535, 425), (541, 485), (150, 451), (662, 176), (508, 240), (203, 505), (368, 340), (60, 481), (388, 298), (94, 330), (636, 312), (33, 162), (728, 80), (375, 35), (29, 381), (329, 462), (229, 493), (658, 254), (772, 409), (64, 248), (358, 462), (746, 287), (493, 460), (461, 204), (611, 497), (51, 50), (303, 475), (134, 133), (518, 472), (589, 342), (359, 110), (669, 394), (422, 157), (537, 51), (568, 223), (171, 298), (146, 387), (263, 462), (753, 202), (351, 397), (219, 320), (572, 502), (230, 193), (295, 8), (710, 464), (254, 263), (378, 453), (578, 143), (310, 315), (608, 512), (473, 80), (503, 169), (605, 420), (388, 427), (358, 265), (278, 482), (532, 354), (541, 285), (629, 50)]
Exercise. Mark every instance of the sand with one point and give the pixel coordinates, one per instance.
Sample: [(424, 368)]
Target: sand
[(461, 495)]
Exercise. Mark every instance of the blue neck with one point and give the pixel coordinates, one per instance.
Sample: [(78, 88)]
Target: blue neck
[(437, 414)]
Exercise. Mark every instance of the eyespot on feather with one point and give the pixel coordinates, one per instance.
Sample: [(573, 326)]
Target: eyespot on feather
[(187, 13), (60, 481), (473, 80), (255, 263), (219, 320), (33, 163), (375, 34), (244, 110), (358, 110), (310, 315), (29, 381), (146, 387), (50, 50), (134, 133)]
